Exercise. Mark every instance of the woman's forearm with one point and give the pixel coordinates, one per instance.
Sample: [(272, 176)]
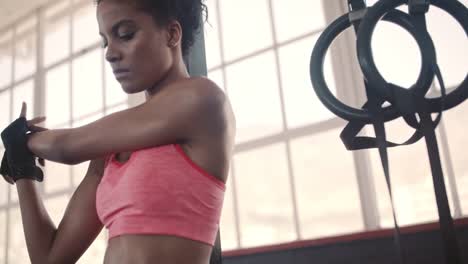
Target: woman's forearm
[(38, 228), (49, 144)]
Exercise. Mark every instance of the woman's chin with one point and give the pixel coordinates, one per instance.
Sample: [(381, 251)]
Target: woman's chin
[(129, 88)]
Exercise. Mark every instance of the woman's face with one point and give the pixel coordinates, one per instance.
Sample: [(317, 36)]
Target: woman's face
[(137, 49)]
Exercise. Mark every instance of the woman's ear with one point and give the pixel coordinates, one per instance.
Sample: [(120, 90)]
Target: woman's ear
[(174, 31)]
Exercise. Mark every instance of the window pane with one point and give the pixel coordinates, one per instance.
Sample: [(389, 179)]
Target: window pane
[(302, 104), (291, 15), (255, 97), (56, 177), (6, 59), (85, 27), (87, 120), (451, 45), (23, 92), (57, 33), (17, 250), (26, 26), (412, 185), (58, 8), (25, 54), (265, 207), (228, 222), (403, 51), (4, 110), (95, 253), (79, 172), (217, 77), (114, 91), (117, 108), (3, 229), (240, 34), (56, 207), (330, 189), (13, 194), (212, 45), (58, 95), (61, 126), (87, 84), (456, 124)]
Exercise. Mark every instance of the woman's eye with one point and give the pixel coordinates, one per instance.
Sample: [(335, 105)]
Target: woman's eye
[(126, 36)]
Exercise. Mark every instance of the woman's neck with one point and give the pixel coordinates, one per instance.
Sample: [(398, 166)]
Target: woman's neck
[(175, 73)]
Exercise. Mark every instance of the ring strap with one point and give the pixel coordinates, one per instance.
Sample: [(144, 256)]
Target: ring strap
[(216, 254)]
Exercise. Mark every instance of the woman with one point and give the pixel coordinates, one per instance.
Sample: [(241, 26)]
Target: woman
[(157, 174)]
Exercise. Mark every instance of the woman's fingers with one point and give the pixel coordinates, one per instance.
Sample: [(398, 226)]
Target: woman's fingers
[(32, 124), (36, 120), (23, 110)]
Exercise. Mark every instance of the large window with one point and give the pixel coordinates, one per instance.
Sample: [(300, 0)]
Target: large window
[(283, 185), (291, 177), (72, 87)]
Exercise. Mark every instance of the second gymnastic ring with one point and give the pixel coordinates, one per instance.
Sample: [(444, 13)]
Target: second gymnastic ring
[(317, 76), (368, 23)]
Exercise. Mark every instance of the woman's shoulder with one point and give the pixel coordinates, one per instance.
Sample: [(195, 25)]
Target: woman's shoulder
[(209, 105), (197, 93), (202, 86)]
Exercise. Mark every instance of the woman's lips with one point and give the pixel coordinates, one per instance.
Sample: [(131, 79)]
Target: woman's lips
[(121, 73)]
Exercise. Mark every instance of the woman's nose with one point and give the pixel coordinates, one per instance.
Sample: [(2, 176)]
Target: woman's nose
[(112, 54)]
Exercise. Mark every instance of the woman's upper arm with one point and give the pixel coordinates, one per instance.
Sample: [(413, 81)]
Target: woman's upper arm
[(80, 224), (171, 118)]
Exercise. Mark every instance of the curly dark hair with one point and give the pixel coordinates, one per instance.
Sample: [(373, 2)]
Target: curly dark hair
[(188, 13)]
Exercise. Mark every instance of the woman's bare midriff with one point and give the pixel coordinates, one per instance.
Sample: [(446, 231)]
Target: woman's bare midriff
[(156, 249)]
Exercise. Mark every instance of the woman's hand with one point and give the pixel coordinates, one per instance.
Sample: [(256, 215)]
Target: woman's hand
[(18, 161), (32, 126)]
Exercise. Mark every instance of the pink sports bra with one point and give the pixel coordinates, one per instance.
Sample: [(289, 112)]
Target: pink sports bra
[(160, 190)]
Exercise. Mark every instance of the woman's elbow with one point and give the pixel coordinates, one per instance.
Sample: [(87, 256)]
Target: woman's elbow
[(69, 157), (69, 150)]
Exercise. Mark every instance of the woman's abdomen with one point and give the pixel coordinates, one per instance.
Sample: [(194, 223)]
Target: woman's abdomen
[(156, 249)]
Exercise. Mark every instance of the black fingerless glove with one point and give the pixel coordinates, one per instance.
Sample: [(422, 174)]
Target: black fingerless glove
[(5, 170), (19, 162)]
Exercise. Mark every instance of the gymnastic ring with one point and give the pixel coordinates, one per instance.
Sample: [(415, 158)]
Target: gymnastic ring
[(366, 61), (317, 75)]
